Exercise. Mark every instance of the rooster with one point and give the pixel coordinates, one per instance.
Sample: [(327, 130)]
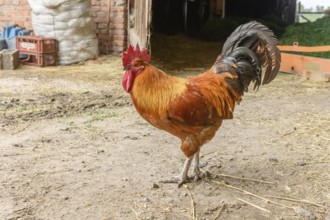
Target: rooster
[(192, 109)]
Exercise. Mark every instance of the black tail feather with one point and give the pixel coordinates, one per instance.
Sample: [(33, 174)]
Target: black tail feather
[(250, 47), (244, 64)]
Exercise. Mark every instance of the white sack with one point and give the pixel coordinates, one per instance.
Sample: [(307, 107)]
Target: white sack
[(70, 23)]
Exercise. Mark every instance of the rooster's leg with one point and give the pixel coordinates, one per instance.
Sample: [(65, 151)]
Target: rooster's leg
[(197, 174), (183, 176), (184, 173)]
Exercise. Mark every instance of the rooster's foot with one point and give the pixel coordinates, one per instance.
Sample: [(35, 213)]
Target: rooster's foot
[(180, 180), (197, 174)]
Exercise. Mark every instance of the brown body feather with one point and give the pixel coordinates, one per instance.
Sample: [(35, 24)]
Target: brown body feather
[(191, 109)]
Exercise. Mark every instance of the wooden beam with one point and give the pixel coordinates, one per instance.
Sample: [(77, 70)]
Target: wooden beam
[(296, 48)]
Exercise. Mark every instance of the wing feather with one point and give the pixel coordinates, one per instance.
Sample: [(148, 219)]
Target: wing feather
[(207, 99), (191, 109)]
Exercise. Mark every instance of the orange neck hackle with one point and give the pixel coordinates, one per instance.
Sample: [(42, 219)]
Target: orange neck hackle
[(153, 89)]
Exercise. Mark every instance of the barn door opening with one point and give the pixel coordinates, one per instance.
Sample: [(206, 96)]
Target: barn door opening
[(180, 16), (139, 22)]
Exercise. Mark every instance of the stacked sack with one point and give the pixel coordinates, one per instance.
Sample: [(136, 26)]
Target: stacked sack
[(69, 22)]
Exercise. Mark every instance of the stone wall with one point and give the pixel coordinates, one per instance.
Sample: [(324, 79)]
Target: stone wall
[(109, 17)]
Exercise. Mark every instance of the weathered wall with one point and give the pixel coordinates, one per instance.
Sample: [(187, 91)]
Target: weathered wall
[(109, 17), (15, 12), (111, 25)]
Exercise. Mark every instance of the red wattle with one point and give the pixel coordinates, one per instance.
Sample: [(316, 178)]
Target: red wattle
[(128, 80)]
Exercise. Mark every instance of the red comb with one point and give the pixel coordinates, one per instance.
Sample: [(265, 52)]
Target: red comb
[(130, 54)]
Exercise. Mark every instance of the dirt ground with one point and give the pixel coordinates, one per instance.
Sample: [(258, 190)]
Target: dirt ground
[(73, 147)]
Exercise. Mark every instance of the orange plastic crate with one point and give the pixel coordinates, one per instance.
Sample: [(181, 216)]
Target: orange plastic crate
[(40, 60), (35, 44)]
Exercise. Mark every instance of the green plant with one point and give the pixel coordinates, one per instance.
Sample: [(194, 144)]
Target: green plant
[(309, 34), (218, 29)]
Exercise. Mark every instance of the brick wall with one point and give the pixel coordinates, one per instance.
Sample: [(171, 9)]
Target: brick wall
[(110, 25), (15, 12)]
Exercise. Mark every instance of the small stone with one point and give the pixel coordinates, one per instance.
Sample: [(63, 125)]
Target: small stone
[(155, 186), (202, 165), (287, 188), (301, 163), (66, 198), (273, 159), (100, 151), (146, 199), (151, 217), (18, 145), (130, 137)]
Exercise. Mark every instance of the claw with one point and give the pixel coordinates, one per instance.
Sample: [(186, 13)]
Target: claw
[(183, 177), (181, 183), (197, 174), (180, 180)]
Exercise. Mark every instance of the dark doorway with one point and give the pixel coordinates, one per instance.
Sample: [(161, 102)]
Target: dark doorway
[(189, 16), (179, 16), (281, 10)]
